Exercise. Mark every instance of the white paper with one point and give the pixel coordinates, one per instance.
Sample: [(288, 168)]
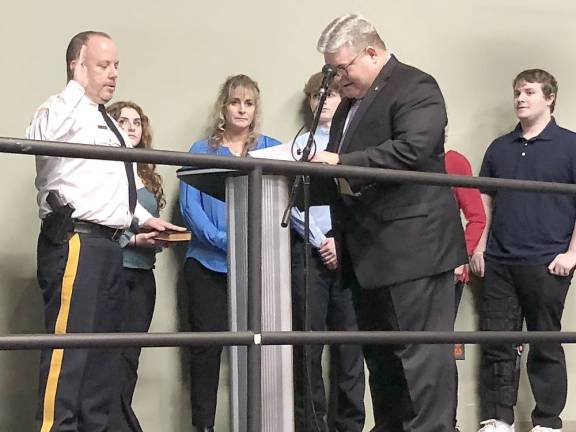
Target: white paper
[(279, 152)]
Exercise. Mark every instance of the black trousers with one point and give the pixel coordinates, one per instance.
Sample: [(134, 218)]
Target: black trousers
[(331, 307), (412, 386), (83, 290), (458, 291), (137, 316), (208, 311), (510, 295)]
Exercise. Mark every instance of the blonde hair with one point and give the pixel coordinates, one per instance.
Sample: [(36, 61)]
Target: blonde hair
[(218, 119)]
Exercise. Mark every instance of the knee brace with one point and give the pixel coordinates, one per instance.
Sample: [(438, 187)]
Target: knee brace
[(502, 372), (500, 315), (502, 379)]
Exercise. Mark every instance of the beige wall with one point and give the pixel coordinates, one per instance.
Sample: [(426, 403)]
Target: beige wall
[(174, 55)]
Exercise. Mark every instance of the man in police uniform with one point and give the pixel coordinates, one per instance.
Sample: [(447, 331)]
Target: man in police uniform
[(84, 206)]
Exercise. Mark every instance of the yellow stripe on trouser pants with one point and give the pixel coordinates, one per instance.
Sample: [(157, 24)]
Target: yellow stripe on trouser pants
[(61, 325)]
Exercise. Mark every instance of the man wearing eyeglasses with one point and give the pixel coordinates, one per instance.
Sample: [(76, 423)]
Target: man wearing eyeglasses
[(398, 242)]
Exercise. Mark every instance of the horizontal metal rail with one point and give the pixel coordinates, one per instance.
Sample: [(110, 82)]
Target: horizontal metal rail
[(159, 340), (414, 337), (51, 148), (117, 340)]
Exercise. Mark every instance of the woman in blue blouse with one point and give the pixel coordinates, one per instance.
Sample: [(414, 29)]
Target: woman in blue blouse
[(234, 130), (139, 255)]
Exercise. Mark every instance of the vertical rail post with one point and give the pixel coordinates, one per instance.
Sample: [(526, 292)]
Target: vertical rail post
[(254, 390)]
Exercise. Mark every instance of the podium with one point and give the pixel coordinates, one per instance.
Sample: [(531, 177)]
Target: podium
[(277, 383)]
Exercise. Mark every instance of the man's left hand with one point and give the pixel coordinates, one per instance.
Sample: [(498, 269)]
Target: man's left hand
[(157, 224), (461, 274), (147, 240), (563, 264), (327, 157)]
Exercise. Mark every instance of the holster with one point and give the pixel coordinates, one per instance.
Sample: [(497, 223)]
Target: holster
[(58, 225)]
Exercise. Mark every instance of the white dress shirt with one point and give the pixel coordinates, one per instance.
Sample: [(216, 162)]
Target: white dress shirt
[(97, 189)]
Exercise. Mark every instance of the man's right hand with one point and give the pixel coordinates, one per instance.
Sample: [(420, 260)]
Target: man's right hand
[(157, 224), (477, 263), (80, 71), (328, 253)]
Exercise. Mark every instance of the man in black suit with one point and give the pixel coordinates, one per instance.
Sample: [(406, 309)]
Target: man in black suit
[(398, 243)]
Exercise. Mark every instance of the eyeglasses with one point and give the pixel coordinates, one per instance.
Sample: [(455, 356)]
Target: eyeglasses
[(342, 69)]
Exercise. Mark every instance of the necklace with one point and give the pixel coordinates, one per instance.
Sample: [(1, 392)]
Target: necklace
[(234, 153)]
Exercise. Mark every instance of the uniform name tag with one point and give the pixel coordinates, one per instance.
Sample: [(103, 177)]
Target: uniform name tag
[(102, 127)]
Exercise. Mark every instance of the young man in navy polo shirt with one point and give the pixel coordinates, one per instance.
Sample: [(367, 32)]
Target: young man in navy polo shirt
[(529, 255)]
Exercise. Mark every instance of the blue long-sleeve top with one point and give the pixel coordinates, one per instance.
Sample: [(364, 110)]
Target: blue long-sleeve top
[(206, 216)]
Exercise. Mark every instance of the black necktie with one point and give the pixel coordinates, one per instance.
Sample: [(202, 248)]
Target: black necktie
[(127, 165)]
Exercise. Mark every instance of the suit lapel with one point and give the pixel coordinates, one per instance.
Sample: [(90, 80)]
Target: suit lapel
[(377, 86)]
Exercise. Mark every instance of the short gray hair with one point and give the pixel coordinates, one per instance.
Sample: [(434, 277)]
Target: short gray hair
[(352, 30)]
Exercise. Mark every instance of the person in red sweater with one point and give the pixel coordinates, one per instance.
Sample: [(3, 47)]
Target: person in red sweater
[(470, 203)]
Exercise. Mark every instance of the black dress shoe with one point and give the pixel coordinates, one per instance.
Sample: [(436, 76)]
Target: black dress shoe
[(202, 429)]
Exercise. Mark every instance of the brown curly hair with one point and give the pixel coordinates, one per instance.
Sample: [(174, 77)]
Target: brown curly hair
[(147, 172), (217, 125)]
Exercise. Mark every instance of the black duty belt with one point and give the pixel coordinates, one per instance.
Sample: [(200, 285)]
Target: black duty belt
[(83, 227)]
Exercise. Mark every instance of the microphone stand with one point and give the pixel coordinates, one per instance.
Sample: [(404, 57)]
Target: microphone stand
[(305, 158), (304, 181)]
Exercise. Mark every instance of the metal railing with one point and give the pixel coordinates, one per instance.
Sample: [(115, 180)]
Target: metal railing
[(254, 338)]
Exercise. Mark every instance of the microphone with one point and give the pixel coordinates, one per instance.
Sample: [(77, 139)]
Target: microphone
[(329, 71)]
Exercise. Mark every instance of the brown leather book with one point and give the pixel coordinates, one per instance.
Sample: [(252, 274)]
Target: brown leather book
[(174, 236)]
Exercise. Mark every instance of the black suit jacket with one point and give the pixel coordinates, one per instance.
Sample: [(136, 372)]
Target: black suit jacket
[(392, 232)]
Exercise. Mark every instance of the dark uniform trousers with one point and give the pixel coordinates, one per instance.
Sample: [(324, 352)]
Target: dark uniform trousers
[(137, 316), (83, 290), (331, 307), (412, 386), (510, 295)]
